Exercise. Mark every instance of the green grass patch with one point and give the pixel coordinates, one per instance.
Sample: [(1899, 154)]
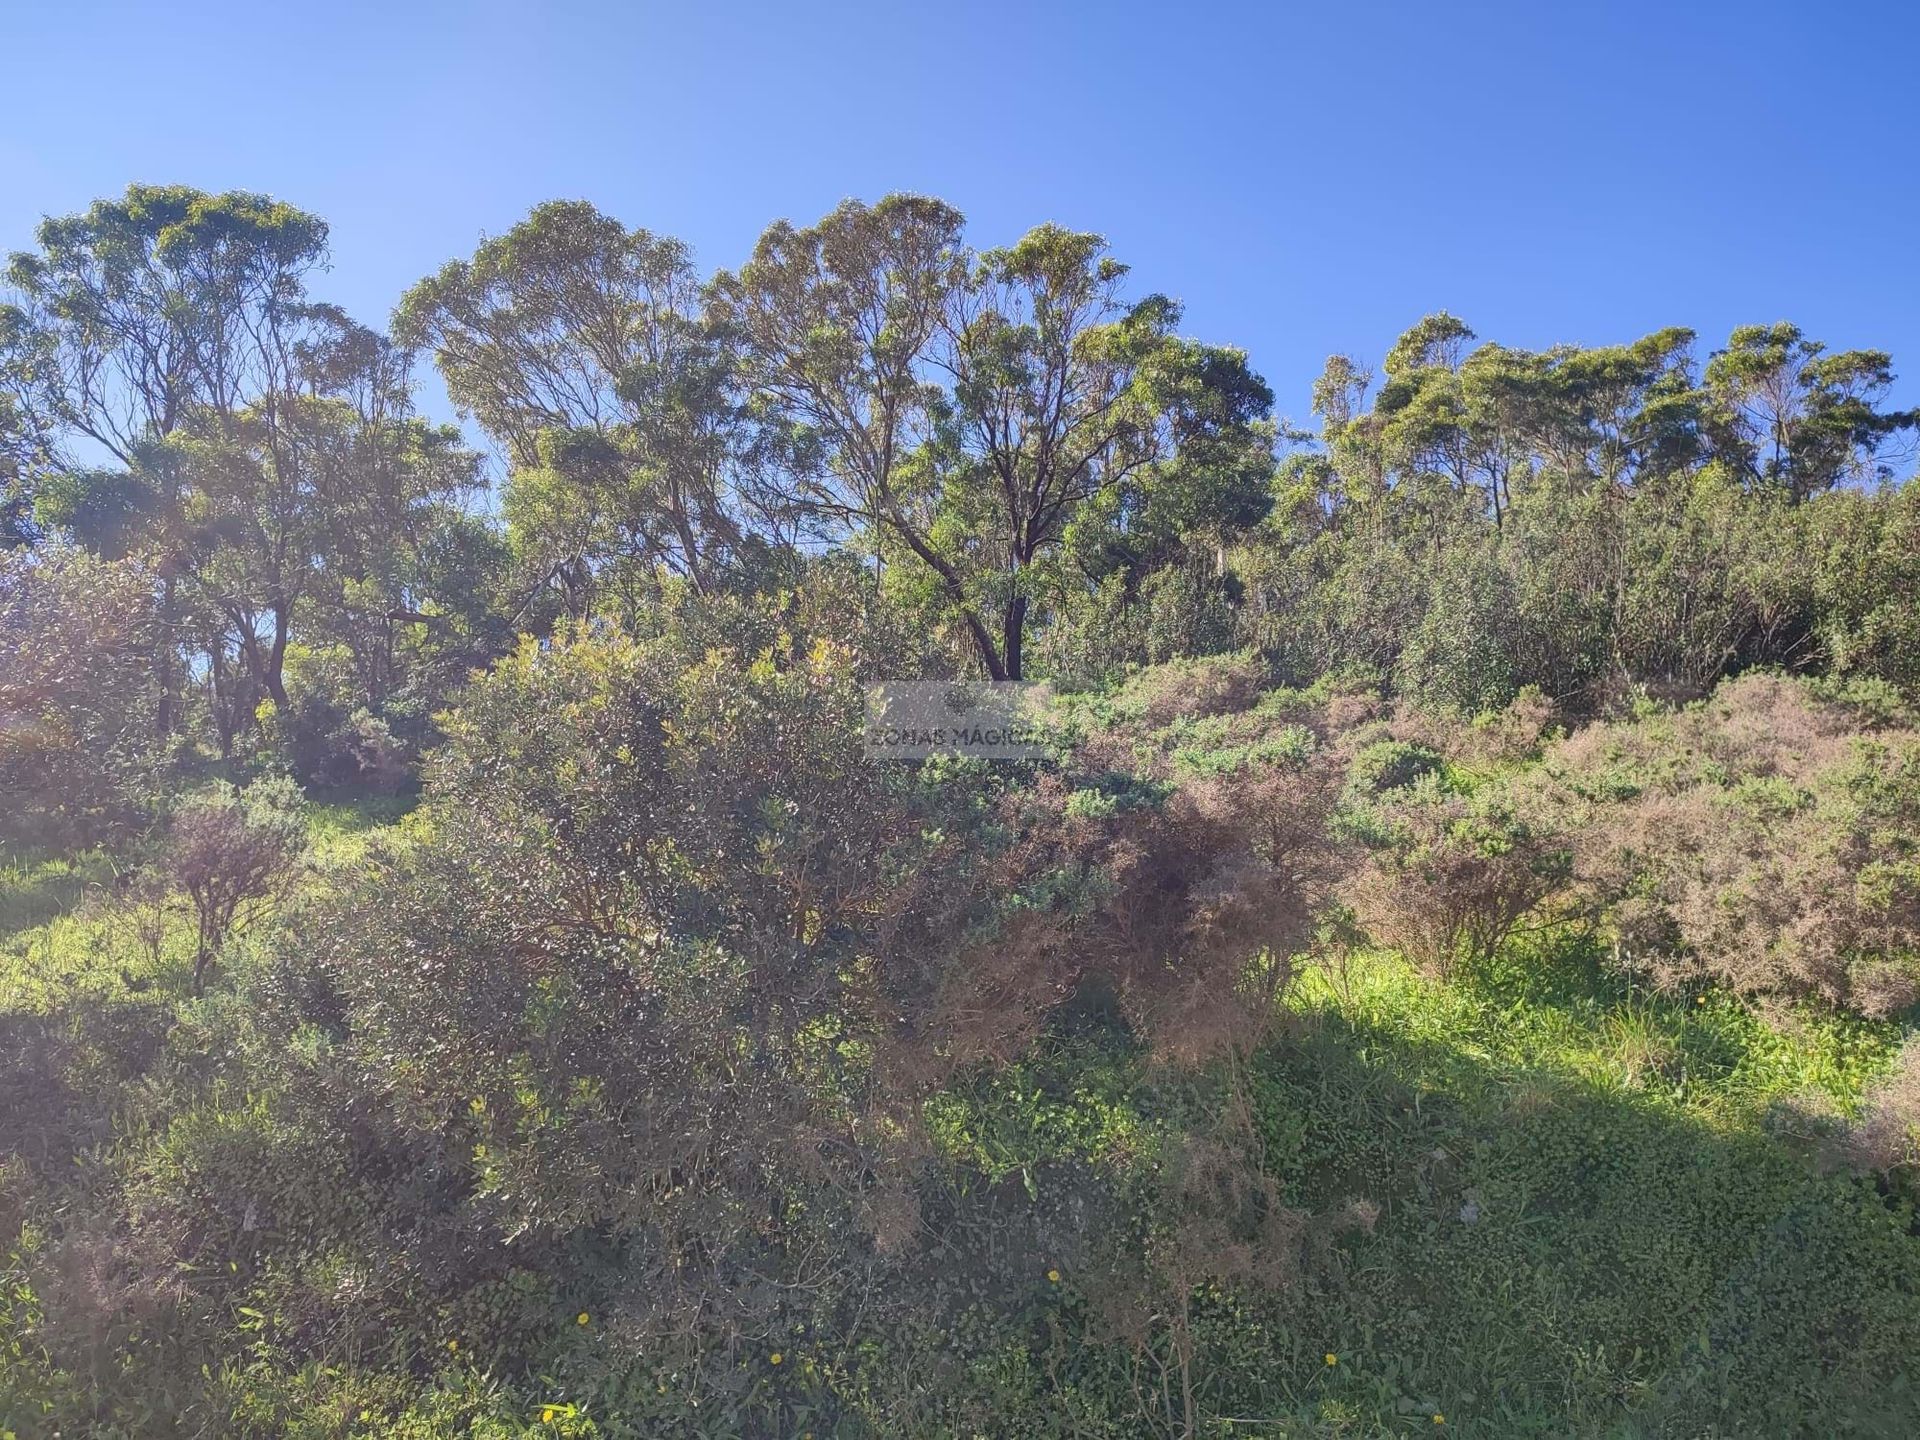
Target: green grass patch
[(1589, 1225), (36, 888)]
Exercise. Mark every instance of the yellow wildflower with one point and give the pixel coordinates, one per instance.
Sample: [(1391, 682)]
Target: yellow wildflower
[(1054, 1276), (1332, 1359), (775, 1358), (582, 1318)]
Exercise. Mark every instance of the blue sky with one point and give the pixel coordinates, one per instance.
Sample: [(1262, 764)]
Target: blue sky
[(1307, 180)]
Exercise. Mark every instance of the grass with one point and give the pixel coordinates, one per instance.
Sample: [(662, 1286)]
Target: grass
[(340, 827), (1591, 1223), (1601, 1212), (72, 931), (37, 888)]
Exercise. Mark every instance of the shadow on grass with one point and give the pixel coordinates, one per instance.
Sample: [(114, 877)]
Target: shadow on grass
[(350, 810), (1561, 1256), (35, 889)]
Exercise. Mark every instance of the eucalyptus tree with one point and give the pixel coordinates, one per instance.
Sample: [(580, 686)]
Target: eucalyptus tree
[(201, 413), (1456, 431), (143, 315), (19, 457), (317, 496), (405, 565), (584, 350), (962, 412), (1590, 496), (1786, 412), (164, 306)]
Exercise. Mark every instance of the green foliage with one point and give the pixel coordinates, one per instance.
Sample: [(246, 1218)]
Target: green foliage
[(1586, 521), (1452, 973), (324, 735), (582, 349), (1458, 655), (79, 756), (1391, 765), (1077, 434)]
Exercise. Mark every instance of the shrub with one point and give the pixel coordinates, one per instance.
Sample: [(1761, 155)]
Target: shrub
[(1866, 571), (1190, 689), (1188, 912), (325, 735), (693, 963), (668, 922), (1391, 765), (79, 748), (1885, 1138), (231, 852), (1766, 839), (1459, 656), (1449, 876)]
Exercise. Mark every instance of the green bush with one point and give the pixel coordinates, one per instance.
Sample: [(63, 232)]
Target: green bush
[(81, 755)]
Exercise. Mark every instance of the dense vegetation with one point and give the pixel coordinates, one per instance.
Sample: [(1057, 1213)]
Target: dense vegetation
[(461, 974)]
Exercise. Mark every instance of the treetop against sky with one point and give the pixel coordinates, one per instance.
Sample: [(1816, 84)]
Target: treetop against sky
[(1302, 180)]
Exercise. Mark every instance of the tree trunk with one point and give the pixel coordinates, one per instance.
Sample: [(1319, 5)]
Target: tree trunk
[(1014, 640), (276, 665), (163, 661), (223, 722)]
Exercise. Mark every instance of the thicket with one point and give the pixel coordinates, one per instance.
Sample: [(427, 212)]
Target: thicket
[(673, 1068)]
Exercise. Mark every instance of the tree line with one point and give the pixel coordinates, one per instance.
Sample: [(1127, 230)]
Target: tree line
[(1036, 470)]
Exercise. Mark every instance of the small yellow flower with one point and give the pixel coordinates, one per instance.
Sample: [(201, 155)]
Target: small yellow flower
[(1332, 1359), (1054, 1276), (1439, 1419), (1699, 999), (547, 1414), (775, 1358), (453, 1344), (582, 1318)]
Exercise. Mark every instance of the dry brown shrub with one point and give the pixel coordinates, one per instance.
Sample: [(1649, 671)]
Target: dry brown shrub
[(1222, 1222), (1498, 737), (1762, 839), (1234, 1225), (228, 853), (1453, 885), (1508, 735), (1188, 911), (1347, 712), (1886, 1137)]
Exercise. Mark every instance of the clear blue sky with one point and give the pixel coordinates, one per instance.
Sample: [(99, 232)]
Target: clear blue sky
[(1307, 180)]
